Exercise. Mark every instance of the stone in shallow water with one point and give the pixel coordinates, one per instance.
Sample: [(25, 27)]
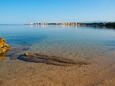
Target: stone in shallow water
[(15, 51), (52, 60), (4, 47)]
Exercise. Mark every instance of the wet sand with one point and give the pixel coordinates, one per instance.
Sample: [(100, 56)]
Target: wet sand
[(101, 72)]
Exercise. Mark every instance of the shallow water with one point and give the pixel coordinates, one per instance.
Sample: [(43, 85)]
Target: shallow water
[(70, 42)]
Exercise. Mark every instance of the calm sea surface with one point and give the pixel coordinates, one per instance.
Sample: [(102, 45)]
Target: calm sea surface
[(74, 42)]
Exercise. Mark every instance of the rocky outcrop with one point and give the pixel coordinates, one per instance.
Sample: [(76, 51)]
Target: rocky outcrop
[(4, 47)]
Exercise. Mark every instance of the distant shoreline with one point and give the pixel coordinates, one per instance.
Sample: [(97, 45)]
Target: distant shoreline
[(92, 24), (101, 24), (79, 24)]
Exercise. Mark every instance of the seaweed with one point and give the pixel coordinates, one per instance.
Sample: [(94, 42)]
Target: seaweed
[(52, 60)]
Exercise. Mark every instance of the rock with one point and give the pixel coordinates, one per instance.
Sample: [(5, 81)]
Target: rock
[(26, 54), (4, 47)]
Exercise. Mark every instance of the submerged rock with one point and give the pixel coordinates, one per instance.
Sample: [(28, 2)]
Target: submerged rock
[(4, 47), (15, 51), (52, 60)]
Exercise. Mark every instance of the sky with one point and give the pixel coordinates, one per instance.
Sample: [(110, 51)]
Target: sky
[(25, 11)]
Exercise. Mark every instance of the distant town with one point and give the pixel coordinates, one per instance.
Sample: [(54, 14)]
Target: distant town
[(64, 23), (75, 24)]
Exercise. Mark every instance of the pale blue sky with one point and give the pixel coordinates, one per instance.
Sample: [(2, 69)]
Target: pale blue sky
[(24, 11)]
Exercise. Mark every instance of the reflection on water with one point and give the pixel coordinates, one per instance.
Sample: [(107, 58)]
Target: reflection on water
[(70, 42)]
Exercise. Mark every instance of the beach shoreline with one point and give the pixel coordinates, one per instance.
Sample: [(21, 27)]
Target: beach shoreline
[(20, 73)]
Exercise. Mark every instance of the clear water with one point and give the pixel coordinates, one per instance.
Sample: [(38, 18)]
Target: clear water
[(74, 42)]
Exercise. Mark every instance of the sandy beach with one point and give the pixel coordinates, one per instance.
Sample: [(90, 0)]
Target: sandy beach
[(100, 72)]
